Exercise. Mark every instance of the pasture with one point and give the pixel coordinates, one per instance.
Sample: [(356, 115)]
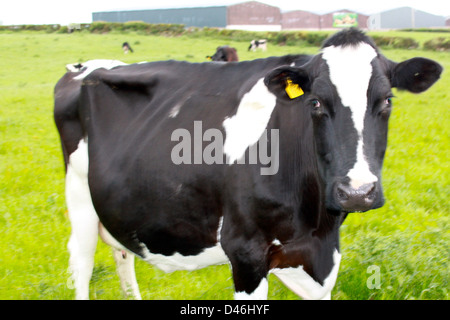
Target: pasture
[(400, 251)]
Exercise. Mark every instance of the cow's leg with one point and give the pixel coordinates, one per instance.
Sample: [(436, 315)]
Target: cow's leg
[(125, 269), (260, 293), (304, 285), (83, 219), (124, 264), (249, 266)]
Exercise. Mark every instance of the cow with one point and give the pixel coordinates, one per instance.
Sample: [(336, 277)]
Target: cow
[(127, 48), (258, 44), (166, 163), (224, 53)]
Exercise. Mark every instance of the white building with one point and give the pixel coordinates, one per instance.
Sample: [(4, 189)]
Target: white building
[(404, 18)]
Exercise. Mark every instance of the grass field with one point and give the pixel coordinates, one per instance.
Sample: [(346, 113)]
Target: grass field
[(407, 240)]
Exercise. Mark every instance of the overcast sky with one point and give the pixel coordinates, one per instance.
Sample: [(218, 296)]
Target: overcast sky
[(80, 11)]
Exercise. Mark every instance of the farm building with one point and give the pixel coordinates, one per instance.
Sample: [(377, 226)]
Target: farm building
[(342, 19), (251, 15), (338, 19), (257, 16), (300, 20), (404, 17), (190, 17)]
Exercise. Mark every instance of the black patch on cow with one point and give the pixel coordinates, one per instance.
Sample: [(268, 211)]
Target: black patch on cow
[(348, 37)]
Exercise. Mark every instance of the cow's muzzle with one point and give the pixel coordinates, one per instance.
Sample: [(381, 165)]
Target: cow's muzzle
[(363, 198)]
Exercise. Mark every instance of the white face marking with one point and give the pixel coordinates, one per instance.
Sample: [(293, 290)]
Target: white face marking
[(303, 285), (260, 292), (248, 124), (92, 65), (350, 72), (360, 173)]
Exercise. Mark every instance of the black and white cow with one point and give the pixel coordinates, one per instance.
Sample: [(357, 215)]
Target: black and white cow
[(126, 48), (258, 44), (169, 161)]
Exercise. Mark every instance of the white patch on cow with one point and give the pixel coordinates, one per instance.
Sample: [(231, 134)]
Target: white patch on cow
[(92, 65), (350, 72), (276, 242), (303, 285), (83, 219), (208, 257), (178, 189), (219, 229), (260, 292), (176, 109), (248, 124)]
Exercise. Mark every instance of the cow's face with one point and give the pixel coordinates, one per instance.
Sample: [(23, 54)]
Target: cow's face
[(220, 55), (348, 93)]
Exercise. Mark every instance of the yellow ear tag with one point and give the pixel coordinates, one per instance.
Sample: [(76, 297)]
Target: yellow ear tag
[(293, 90)]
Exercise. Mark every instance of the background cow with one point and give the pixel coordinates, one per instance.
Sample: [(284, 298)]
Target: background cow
[(324, 117), (74, 67), (126, 48), (224, 53), (258, 44)]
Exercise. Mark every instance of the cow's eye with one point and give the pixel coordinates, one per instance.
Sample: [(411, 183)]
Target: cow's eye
[(388, 101), (315, 103)]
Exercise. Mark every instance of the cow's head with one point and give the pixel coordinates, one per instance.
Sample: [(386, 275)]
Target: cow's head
[(221, 54), (348, 92)]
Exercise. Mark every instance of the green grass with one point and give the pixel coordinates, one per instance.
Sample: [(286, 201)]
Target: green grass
[(408, 239)]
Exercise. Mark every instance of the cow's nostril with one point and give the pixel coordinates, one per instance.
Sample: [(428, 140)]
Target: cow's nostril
[(370, 195), (342, 195), (356, 199)]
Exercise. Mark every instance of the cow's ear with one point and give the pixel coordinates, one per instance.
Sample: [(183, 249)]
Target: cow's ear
[(288, 82), (415, 75)]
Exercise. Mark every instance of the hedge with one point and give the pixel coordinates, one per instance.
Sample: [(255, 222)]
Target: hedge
[(395, 42), (289, 38), (437, 44)]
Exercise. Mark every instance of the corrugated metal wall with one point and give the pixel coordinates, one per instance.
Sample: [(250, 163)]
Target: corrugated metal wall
[(405, 17), (190, 17), (253, 13), (300, 20)]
